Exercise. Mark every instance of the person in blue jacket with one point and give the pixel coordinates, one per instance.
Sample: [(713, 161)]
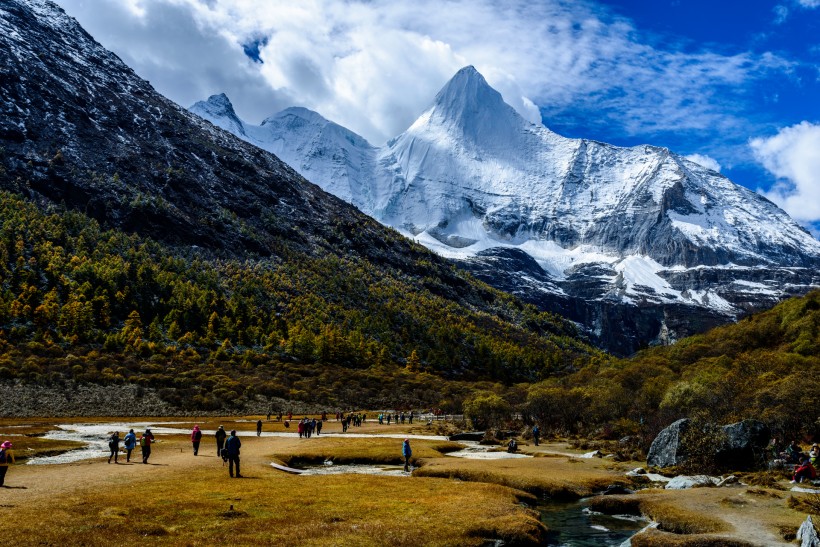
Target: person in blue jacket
[(232, 445), (406, 452), (130, 441)]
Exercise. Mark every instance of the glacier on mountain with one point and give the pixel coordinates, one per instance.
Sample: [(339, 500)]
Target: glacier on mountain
[(639, 226)]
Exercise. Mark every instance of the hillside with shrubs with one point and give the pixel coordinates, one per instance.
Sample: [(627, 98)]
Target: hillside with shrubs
[(80, 303)]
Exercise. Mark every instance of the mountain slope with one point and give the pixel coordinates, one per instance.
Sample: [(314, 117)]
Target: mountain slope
[(158, 233), (635, 240)]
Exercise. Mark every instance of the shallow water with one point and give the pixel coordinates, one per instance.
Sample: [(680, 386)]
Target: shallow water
[(356, 469), (475, 451), (573, 525)]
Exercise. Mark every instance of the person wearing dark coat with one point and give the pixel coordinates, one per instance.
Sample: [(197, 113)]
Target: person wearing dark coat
[(114, 446), (220, 440), (406, 452), (196, 438), (232, 445), (258, 428)]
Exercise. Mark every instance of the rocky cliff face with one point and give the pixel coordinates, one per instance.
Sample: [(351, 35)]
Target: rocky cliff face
[(78, 127), (639, 245)]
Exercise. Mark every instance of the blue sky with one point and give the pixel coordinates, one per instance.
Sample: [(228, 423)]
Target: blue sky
[(734, 85)]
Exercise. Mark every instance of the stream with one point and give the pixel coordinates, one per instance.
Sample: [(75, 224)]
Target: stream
[(572, 524)]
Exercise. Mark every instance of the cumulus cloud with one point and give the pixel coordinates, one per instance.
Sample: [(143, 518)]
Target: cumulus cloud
[(705, 161), (374, 66), (793, 156)]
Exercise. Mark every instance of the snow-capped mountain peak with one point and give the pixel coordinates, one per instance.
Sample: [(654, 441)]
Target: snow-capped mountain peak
[(218, 110), (611, 228), (468, 110)]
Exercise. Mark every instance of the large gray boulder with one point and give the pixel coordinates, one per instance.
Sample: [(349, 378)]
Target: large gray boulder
[(741, 447), (744, 445), (667, 449)]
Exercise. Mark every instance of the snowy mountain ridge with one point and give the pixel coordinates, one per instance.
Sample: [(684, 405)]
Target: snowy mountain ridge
[(474, 181)]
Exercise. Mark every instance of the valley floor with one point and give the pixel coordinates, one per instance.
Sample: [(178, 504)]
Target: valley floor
[(179, 499)]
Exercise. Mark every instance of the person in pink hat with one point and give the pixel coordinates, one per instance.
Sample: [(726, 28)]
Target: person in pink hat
[(6, 457)]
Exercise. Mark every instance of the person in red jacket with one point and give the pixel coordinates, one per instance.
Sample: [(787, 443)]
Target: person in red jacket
[(145, 443), (804, 471)]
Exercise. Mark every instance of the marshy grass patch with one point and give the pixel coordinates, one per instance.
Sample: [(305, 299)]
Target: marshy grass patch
[(555, 478), (187, 506), (657, 538), (762, 492), (340, 450)]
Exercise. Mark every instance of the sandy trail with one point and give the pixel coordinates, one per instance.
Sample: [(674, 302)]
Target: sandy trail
[(172, 455)]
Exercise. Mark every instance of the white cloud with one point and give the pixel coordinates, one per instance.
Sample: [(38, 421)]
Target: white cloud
[(705, 161), (793, 156), (809, 3), (374, 66)]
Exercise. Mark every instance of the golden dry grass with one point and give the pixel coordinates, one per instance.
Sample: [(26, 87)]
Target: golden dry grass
[(182, 500), (279, 509), (352, 450), (656, 538), (555, 477)]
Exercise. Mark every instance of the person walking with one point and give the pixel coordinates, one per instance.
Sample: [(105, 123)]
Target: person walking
[(319, 427), (6, 458), (129, 442), (259, 427), (196, 438), (145, 443), (114, 446), (220, 440), (232, 445), (406, 451), (536, 434)]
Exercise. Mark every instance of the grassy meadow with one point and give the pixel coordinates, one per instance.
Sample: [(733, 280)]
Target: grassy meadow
[(179, 499)]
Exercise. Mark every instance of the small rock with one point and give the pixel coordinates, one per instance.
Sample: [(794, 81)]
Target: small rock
[(682, 482), (807, 534), (731, 479), (616, 490)]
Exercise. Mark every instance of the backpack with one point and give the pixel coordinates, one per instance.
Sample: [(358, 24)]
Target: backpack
[(3, 456), (142, 441)]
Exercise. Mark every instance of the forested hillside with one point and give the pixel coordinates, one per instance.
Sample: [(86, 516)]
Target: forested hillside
[(85, 304), (766, 366)]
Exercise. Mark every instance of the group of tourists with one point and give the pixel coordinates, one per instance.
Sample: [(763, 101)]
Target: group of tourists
[(306, 427), (804, 463), (130, 443), (396, 418)]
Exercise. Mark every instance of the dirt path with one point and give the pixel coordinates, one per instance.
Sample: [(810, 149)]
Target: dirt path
[(171, 455)]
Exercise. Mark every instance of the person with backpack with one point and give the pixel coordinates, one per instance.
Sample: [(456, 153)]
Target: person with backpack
[(129, 442), (232, 446), (145, 443), (196, 438), (536, 434), (6, 458), (406, 452), (114, 446), (220, 440)]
